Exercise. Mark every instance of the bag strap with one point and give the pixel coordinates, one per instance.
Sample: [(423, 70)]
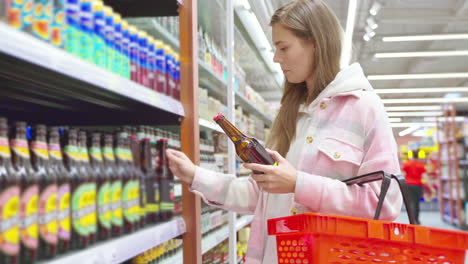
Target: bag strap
[(386, 180)]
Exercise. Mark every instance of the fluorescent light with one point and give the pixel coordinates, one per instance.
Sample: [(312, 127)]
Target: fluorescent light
[(394, 120), (409, 130), (442, 119), (413, 124), (422, 54), (425, 100), (422, 90), (348, 40), (425, 37), (366, 37), (375, 8), (371, 22), (418, 76), (414, 108), (393, 114)]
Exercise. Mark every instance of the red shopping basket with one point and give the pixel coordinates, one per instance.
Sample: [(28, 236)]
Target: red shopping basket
[(318, 238)]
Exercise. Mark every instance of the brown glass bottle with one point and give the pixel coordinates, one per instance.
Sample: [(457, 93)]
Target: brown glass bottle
[(247, 148), (123, 167), (166, 182), (47, 193), (116, 193), (107, 142), (9, 201), (103, 198), (138, 175), (89, 179), (29, 194), (151, 183), (78, 187), (63, 190), (143, 196)]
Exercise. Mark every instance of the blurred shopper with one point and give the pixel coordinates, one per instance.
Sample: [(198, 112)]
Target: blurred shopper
[(414, 171)]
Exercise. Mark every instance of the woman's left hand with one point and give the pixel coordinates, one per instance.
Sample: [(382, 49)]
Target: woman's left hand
[(276, 179)]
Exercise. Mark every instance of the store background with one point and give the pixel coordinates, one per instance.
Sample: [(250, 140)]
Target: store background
[(42, 84)]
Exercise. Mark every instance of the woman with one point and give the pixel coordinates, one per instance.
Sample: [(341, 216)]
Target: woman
[(331, 126)]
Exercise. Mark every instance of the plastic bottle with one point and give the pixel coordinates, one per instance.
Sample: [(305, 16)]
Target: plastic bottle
[(143, 56), (109, 37), (20, 14), (151, 63), (160, 67), (169, 65), (42, 19), (86, 30), (99, 22), (58, 24), (125, 50), (72, 27), (134, 55), (118, 61), (177, 78), (9, 201)]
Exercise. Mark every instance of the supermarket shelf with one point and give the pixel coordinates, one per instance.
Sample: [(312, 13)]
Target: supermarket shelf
[(251, 108), (209, 125), (145, 8), (121, 249), (43, 81), (218, 236)]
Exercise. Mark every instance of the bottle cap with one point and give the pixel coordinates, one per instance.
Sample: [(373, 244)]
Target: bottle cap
[(218, 116)]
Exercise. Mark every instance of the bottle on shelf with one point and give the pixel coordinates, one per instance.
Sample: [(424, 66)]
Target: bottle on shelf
[(151, 63), (151, 183), (137, 176), (47, 205), (9, 201), (72, 27), (169, 61), (109, 38), (247, 148), (166, 182), (110, 175), (78, 187), (134, 55), (103, 197), (142, 176), (117, 63), (160, 66), (99, 23), (116, 193), (143, 56), (63, 191), (58, 24), (124, 168), (125, 50), (42, 19), (86, 30)]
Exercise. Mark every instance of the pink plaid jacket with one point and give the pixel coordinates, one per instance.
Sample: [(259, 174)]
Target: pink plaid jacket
[(345, 132)]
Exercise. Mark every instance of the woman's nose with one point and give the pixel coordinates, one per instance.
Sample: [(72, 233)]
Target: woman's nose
[(276, 58)]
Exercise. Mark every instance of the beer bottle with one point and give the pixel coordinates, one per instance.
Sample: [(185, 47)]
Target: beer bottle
[(63, 190), (47, 193), (104, 213), (88, 178), (137, 176), (152, 187), (78, 187), (9, 201), (109, 172), (116, 193), (166, 182), (123, 157), (29, 195), (247, 148), (138, 156)]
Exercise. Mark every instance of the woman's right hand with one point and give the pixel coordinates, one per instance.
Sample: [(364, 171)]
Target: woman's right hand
[(181, 166)]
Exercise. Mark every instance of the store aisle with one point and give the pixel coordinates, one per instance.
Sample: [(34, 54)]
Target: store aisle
[(428, 218)]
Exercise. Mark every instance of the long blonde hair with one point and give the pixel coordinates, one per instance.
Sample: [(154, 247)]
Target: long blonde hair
[(308, 20)]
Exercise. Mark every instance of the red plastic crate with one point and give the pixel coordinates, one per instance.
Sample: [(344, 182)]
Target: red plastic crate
[(325, 239)]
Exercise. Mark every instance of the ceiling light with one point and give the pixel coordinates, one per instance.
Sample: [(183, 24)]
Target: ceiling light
[(413, 124), (418, 76), (409, 130), (366, 37), (348, 39), (425, 37), (414, 108), (421, 90), (393, 114), (425, 100), (422, 54), (442, 119), (394, 120), (371, 22), (375, 8)]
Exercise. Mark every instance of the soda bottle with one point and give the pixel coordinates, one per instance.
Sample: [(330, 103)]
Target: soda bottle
[(143, 56), (72, 26), (78, 190), (47, 193), (9, 201), (247, 148), (125, 50), (58, 24), (42, 19), (166, 182), (29, 195), (86, 30), (104, 214), (134, 55), (99, 23), (124, 170), (160, 67), (109, 38), (176, 94), (116, 194), (118, 61), (89, 179), (63, 190), (169, 80)]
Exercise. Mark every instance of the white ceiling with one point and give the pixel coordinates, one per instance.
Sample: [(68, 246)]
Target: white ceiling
[(398, 17)]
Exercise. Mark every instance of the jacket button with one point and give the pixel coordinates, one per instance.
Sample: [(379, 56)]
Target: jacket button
[(337, 155), (323, 105), (293, 211), (310, 139)]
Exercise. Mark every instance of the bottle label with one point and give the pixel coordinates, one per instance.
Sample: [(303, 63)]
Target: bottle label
[(95, 153), (136, 197), (104, 205), (91, 208), (123, 154), (130, 201), (152, 204), (79, 217), (64, 225), (72, 152), (167, 195), (20, 147), (48, 214), (9, 224), (4, 148), (83, 153), (116, 193), (29, 217), (40, 149), (108, 153), (55, 151)]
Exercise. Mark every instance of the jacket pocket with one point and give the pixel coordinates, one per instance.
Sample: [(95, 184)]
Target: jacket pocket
[(340, 150)]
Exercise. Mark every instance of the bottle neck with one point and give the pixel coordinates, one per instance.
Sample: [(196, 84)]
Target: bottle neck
[(231, 131)]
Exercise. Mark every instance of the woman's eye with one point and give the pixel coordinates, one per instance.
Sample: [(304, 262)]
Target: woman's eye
[(283, 49)]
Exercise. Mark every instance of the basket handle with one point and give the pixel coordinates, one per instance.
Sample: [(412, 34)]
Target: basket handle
[(386, 180)]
